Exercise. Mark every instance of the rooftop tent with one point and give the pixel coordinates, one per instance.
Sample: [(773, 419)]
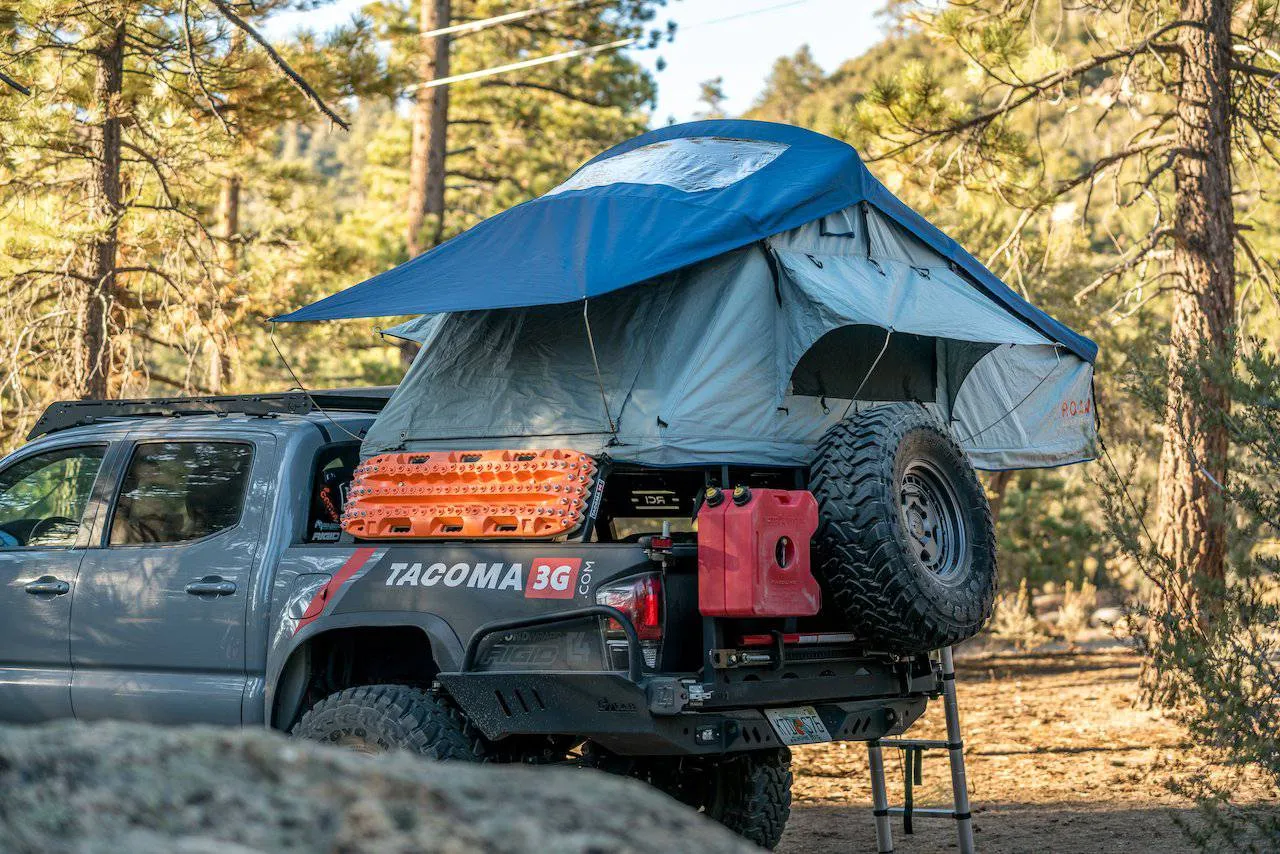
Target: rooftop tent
[(776, 282)]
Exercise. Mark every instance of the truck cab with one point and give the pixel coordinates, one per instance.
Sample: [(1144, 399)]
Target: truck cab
[(138, 551)]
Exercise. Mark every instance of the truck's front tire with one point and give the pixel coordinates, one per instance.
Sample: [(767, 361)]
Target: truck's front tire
[(382, 718)]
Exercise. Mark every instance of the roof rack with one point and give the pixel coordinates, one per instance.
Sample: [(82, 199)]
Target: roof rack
[(66, 414)]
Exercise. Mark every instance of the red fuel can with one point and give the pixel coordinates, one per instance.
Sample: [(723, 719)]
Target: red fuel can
[(753, 554)]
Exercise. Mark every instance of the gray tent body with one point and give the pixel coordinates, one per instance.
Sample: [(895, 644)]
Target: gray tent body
[(746, 359)]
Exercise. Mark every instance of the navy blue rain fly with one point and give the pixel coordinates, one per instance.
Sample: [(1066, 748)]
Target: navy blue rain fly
[(617, 224)]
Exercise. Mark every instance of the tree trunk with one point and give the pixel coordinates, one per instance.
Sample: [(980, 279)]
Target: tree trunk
[(221, 346), (430, 141), (228, 228), (997, 488), (430, 129), (97, 368), (1191, 521), (221, 343)]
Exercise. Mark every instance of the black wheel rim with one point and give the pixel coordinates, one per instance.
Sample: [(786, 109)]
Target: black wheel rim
[(933, 519)]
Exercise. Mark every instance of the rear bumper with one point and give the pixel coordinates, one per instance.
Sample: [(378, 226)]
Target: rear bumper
[(642, 712), (619, 714)]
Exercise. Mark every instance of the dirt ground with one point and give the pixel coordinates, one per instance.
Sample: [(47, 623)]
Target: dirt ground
[(1059, 758)]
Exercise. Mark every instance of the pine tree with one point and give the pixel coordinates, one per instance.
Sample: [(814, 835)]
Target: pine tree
[(486, 129), (338, 210), (1167, 96), (111, 268), (789, 82), (712, 96)]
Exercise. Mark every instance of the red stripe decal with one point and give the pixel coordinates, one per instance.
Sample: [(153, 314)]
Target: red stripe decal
[(353, 565)]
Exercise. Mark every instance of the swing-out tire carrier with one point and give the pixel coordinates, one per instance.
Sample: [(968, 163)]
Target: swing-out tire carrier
[(646, 713)]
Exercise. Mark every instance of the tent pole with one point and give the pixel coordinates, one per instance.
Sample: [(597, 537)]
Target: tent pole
[(591, 342)]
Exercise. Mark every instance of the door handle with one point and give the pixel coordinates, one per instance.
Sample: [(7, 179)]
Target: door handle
[(211, 585), (48, 585)]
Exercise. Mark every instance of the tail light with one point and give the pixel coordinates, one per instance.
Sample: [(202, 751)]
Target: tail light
[(640, 598)]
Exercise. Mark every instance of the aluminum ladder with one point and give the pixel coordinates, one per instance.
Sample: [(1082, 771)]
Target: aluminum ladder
[(913, 750)]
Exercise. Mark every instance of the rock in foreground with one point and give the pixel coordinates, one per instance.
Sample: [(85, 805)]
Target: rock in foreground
[(114, 788)]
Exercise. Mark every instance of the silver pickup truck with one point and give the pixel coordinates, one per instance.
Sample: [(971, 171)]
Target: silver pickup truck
[(181, 561)]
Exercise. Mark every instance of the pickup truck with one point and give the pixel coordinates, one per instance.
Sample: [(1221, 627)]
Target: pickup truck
[(181, 561)]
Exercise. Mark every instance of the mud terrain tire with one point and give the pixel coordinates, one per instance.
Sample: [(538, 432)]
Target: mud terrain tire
[(749, 793), (905, 549), (382, 718)]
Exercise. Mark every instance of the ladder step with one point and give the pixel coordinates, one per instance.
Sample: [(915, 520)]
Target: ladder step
[(931, 812), (913, 755), (916, 743)]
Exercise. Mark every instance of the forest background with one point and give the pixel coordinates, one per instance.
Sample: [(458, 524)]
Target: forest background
[(170, 178)]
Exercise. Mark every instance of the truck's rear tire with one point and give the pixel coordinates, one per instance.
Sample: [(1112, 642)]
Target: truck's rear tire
[(749, 793), (905, 549), (382, 718)]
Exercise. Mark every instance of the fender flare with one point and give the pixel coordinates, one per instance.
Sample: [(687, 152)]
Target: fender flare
[(286, 682)]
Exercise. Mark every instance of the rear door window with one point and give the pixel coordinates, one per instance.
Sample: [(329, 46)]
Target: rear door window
[(175, 492)]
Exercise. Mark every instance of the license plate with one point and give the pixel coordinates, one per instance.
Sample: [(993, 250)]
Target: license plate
[(798, 725)]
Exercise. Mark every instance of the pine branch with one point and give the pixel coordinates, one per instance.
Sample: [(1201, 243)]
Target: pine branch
[(169, 381), (477, 177), (543, 87), (1126, 264), (1108, 160), (294, 77), (36, 271), (1033, 89), (141, 332), (195, 68), (14, 84), (1255, 70), (1262, 268)]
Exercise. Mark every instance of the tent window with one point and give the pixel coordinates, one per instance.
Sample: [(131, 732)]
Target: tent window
[(838, 362), (693, 164)]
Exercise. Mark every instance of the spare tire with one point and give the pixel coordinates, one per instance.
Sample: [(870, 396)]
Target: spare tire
[(905, 550)]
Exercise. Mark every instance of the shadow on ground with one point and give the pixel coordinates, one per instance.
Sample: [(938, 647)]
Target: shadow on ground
[(1062, 756), (999, 829)]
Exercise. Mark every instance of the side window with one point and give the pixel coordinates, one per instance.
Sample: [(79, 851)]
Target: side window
[(43, 497), (335, 467), (179, 491)]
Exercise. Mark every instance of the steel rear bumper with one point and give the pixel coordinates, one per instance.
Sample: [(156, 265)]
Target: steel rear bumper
[(641, 712), (616, 712)]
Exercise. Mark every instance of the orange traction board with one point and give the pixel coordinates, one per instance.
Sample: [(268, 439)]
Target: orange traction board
[(470, 495)]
